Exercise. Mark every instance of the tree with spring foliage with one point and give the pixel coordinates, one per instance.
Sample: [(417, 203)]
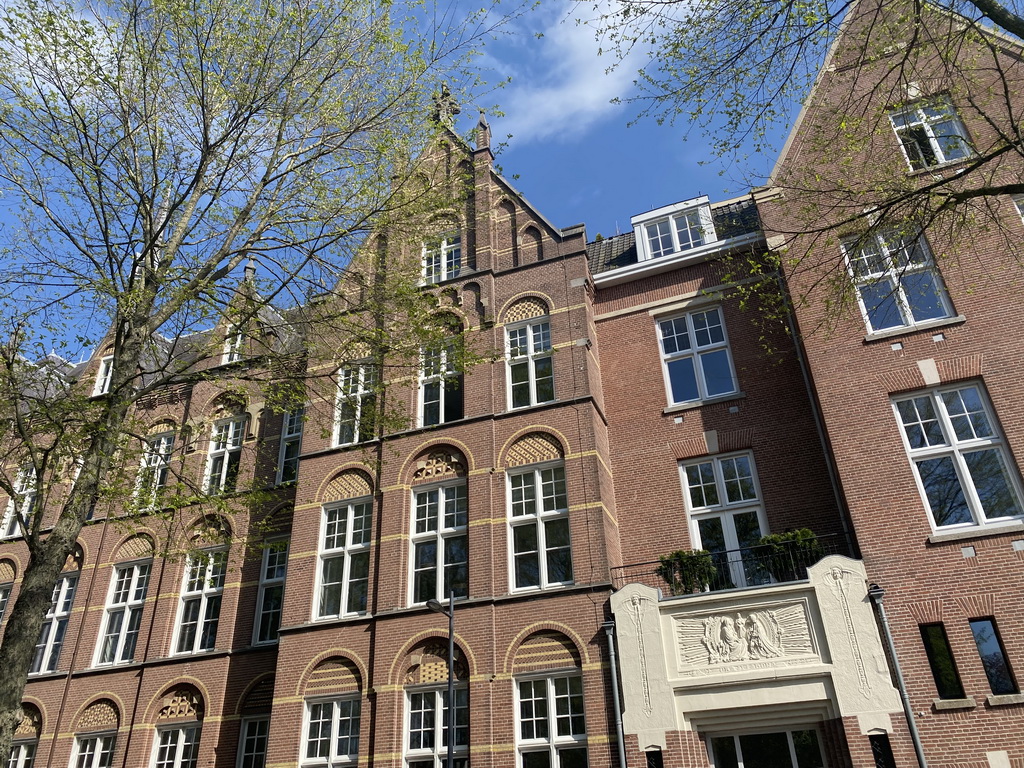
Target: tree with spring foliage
[(153, 151)]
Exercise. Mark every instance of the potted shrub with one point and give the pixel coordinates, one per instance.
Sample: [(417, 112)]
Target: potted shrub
[(787, 555), (688, 570)]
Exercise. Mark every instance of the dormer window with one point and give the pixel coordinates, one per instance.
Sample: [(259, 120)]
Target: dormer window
[(442, 258), (674, 229), (103, 375), (232, 346)]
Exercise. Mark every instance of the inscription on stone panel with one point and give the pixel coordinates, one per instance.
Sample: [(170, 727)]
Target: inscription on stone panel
[(763, 637)]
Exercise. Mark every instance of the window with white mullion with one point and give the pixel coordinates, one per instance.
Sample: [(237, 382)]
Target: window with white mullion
[(177, 747), (344, 559), (225, 455), (530, 366), (442, 258), (788, 749), (271, 594), (123, 616), (25, 501), (232, 351), (253, 742), (291, 442), (440, 543), (354, 410), (332, 732), (23, 754), (1018, 201), (959, 457), (103, 376), (201, 595), (931, 133), (681, 232), (5, 595), (426, 740), (94, 752), (552, 730), (897, 282), (55, 625), (539, 523), (155, 469), (440, 386), (695, 356)]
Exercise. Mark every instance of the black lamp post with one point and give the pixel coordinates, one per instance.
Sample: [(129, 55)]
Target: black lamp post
[(437, 607)]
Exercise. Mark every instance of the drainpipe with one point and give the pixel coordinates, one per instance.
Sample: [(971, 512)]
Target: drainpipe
[(877, 594), (609, 630)]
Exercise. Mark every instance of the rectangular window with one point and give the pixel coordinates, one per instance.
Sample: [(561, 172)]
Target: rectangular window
[(440, 386), (788, 749), (332, 732), (357, 399), (539, 522), (727, 518), (695, 356), (1018, 201), (5, 595), (897, 282), (291, 442), (252, 743), (271, 594), (93, 752), (225, 455), (958, 455), (177, 747), (123, 616), (23, 754), (156, 461), (940, 659), (201, 595), (103, 375), (440, 544), (931, 133), (530, 369), (552, 730), (442, 258), (25, 501), (344, 559), (232, 352), (993, 656), (55, 625), (682, 232), (426, 742)]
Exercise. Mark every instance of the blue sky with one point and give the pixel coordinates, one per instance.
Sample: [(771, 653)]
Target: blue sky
[(576, 157)]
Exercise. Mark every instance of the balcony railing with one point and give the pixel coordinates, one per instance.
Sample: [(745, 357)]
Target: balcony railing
[(748, 567)]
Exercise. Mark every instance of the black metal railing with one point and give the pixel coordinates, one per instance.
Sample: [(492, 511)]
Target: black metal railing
[(694, 572)]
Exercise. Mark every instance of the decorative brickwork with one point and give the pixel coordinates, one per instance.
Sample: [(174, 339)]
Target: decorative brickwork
[(135, 548), (75, 560), (260, 697), (350, 484), (334, 675), (545, 650), (440, 464), (428, 663), (982, 604), (525, 309), (31, 723), (101, 715), (533, 449), (7, 571), (689, 449), (182, 703), (926, 611)]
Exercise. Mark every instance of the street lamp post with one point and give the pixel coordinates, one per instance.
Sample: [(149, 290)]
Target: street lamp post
[(437, 607)]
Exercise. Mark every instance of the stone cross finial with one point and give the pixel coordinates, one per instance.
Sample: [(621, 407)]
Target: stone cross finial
[(445, 107)]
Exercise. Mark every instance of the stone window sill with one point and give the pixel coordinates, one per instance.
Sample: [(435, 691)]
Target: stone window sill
[(701, 403), (943, 705), (1005, 699), (977, 533), (903, 330)]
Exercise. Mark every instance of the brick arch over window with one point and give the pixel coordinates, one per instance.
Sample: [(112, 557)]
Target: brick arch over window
[(543, 650), (335, 675), (427, 663), (534, 448), (137, 547), (101, 715), (75, 560), (8, 571), (439, 463), (347, 484), (182, 702), (525, 309), (210, 530), (31, 725), (259, 698), (532, 246)]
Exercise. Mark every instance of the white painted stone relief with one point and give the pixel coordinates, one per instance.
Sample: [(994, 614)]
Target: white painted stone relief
[(837, 579), (637, 605)]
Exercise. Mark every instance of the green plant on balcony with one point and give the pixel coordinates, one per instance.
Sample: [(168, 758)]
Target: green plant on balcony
[(788, 555), (687, 570)]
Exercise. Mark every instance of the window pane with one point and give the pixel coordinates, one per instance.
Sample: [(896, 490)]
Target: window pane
[(993, 657), (723, 748), (544, 379), (682, 380), (880, 305), (940, 659), (717, 373), (765, 750), (944, 492), (576, 757), (808, 753), (700, 479), (924, 297), (536, 760), (992, 483)]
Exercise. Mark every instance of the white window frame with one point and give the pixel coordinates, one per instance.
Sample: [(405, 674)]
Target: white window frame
[(915, 117), (442, 258), (5, 597), (356, 390), (24, 489), (226, 438), (727, 476), (789, 740), (291, 444), (538, 349), (180, 734), (155, 468), (103, 375), (273, 569), (436, 756), (437, 367), (702, 326), (884, 259), (350, 547), (94, 750), (249, 753), (956, 449), (451, 502), (553, 743), (232, 351), (543, 482), (126, 599), (202, 584), (23, 754), (46, 657), (333, 758), (1018, 202), (674, 229)]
